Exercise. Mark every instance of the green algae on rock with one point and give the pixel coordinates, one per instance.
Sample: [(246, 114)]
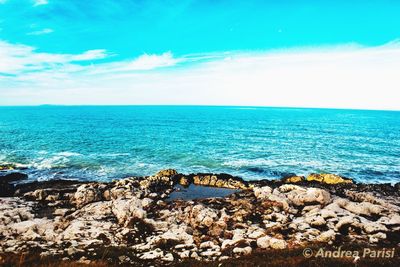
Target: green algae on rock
[(294, 179), (7, 167), (328, 178), (221, 180)]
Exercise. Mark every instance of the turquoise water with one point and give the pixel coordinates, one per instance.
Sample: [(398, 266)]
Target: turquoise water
[(105, 142)]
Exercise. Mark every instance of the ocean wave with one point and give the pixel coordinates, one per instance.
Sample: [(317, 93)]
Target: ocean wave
[(109, 154), (15, 164), (244, 108), (269, 172), (375, 173), (50, 163), (52, 160), (271, 163), (105, 171), (68, 154)]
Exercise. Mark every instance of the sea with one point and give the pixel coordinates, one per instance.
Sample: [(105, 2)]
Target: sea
[(102, 143)]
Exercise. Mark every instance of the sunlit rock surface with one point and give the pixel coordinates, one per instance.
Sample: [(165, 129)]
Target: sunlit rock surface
[(136, 218)]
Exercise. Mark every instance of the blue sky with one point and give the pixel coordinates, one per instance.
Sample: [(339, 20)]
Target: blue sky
[(146, 51)]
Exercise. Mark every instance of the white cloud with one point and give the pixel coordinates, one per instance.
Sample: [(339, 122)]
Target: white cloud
[(18, 59), (41, 32), (348, 76), (90, 55), (148, 62), (40, 2), (141, 63)]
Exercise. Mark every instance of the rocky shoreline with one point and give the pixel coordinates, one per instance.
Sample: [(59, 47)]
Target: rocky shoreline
[(134, 222)]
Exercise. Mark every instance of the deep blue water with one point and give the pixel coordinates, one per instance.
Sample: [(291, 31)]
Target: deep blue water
[(105, 142)]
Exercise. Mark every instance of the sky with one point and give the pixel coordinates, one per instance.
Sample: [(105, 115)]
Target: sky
[(304, 53)]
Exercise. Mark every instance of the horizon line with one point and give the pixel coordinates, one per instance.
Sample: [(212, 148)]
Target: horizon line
[(194, 105)]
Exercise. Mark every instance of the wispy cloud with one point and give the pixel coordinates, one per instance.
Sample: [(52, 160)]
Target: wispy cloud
[(350, 76), (148, 62), (40, 2), (144, 62), (41, 32), (19, 59)]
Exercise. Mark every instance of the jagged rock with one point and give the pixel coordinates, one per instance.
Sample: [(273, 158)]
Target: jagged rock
[(202, 217), (364, 208), (168, 257), (39, 194), (151, 255), (391, 220), (167, 173), (397, 186), (87, 193), (237, 238), (6, 187), (13, 177), (373, 227), (281, 201), (210, 253), (263, 242), (123, 189), (326, 236), (185, 254), (328, 212), (348, 221), (293, 179), (129, 214), (127, 210), (309, 196), (290, 187), (217, 228), (194, 255), (315, 221), (227, 243), (184, 181), (243, 251), (375, 238), (256, 233), (178, 234), (328, 178), (156, 183), (225, 181), (277, 243), (60, 212), (262, 192), (209, 245)]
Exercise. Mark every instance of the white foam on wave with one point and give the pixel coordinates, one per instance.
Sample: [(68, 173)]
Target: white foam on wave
[(58, 160), (5, 161), (68, 154), (47, 160), (49, 163)]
